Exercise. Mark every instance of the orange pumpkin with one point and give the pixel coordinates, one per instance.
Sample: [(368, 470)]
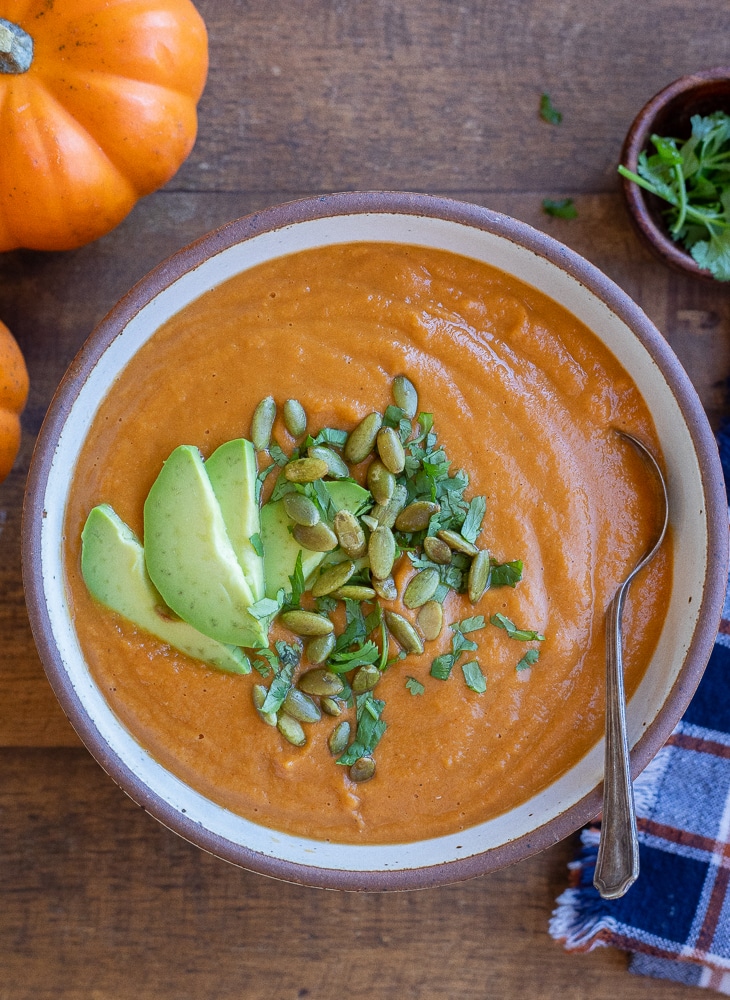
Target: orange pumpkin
[(13, 394), (98, 108)]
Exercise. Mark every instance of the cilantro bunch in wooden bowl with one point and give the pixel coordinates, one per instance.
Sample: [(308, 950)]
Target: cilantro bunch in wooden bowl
[(678, 151)]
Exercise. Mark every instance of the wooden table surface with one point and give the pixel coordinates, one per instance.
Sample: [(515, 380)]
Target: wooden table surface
[(305, 96)]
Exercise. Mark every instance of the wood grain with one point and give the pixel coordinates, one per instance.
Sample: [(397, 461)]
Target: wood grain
[(309, 96), (102, 902)]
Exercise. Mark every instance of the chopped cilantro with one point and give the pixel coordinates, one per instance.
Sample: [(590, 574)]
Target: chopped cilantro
[(293, 600), (288, 660), (505, 574), (442, 666), (278, 455), (521, 634), (414, 686), (473, 677), (257, 544), (343, 662), (473, 521), (331, 435), (265, 609), (530, 657), (370, 728)]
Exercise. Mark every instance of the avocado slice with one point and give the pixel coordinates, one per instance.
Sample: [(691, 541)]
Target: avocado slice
[(232, 473), (113, 568), (280, 548), (189, 556)]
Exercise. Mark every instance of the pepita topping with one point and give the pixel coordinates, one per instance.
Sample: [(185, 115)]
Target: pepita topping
[(414, 517)]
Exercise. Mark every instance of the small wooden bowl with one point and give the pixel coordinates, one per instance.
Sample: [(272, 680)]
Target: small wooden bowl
[(668, 113)]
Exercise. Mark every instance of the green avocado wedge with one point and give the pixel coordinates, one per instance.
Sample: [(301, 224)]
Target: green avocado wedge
[(189, 556), (232, 473), (113, 568), (280, 548)]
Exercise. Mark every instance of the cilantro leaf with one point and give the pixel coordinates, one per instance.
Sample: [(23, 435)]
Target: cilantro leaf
[(370, 728), (343, 662), (257, 544), (530, 657), (560, 208), (521, 634), (473, 521), (287, 662), (442, 666), (548, 112), (505, 574), (414, 686), (473, 677), (331, 435)]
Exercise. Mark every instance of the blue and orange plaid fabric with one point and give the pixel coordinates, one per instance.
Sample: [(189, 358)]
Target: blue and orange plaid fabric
[(675, 920)]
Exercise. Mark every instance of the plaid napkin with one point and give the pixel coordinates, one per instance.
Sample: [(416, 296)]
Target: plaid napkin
[(675, 920)]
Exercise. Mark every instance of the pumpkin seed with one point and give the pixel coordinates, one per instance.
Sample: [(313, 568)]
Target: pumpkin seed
[(421, 588), (361, 440), (381, 481), (337, 468), (301, 509), (385, 589), (300, 706), (381, 552), (365, 679), (320, 647), (295, 418), (363, 769), (391, 450), (291, 730), (387, 513), (431, 620), (352, 592), (457, 542), (333, 577), (321, 681), (306, 623), (405, 395), (339, 738), (316, 537), (305, 470), (350, 534), (403, 632), (258, 693), (478, 579), (262, 423), (416, 515), (437, 550), (332, 706)]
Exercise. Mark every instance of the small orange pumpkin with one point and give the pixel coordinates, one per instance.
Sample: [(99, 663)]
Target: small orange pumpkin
[(13, 394), (98, 108)]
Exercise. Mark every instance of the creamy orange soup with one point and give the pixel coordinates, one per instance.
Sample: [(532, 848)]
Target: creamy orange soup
[(524, 398)]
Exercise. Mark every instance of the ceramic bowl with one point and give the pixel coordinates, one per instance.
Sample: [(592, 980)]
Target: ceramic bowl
[(669, 113), (698, 516)]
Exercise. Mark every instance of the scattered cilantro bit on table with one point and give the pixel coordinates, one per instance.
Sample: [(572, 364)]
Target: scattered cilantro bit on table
[(560, 208), (548, 112)]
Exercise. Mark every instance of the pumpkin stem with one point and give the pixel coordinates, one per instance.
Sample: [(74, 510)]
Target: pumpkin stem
[(16, 48)]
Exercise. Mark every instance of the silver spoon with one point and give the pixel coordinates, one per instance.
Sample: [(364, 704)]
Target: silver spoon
[(617, 865)]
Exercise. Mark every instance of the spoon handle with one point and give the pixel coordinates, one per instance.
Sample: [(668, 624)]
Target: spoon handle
[(617, 865)]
